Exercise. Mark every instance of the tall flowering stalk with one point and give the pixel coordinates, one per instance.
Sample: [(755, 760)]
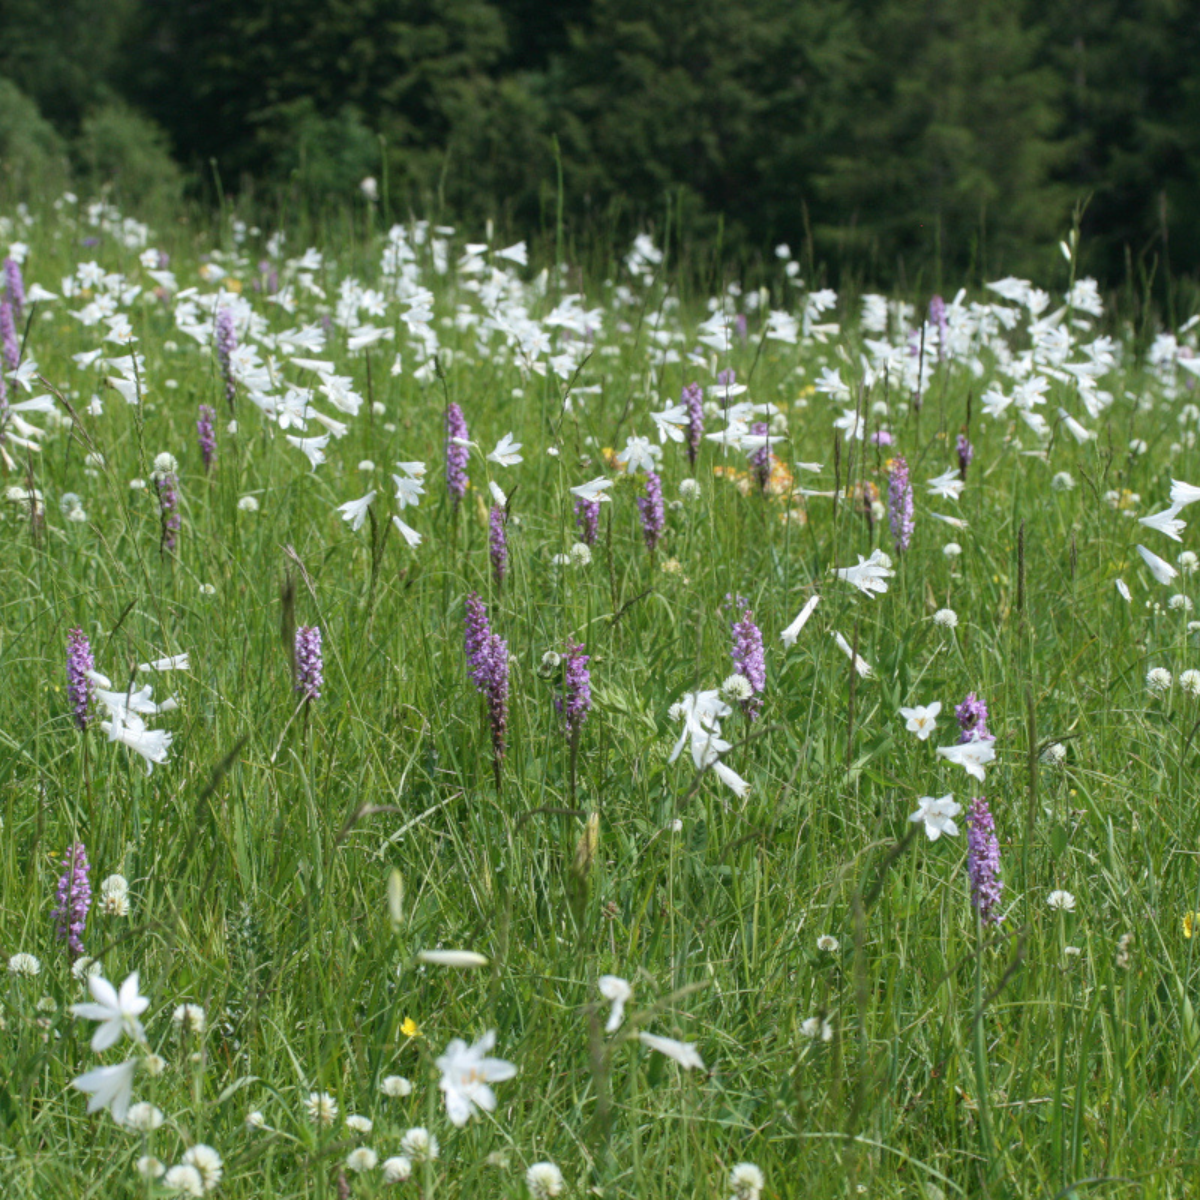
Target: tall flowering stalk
[(457, 455), (206, 435), (487, 666), (576, 700), (900, 503), (760, 460), (654, 518), (983, 862), (966, 452), (166, 484), (74, 899), (308, 663), (937, 316), (15, 286), (972, 717), (226, 345), (498, 542), (587, 518), (9, 341), (693, 401), (79, 687), (748, 657)]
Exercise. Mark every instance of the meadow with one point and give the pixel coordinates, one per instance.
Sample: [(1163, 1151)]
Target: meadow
[(469, 729)]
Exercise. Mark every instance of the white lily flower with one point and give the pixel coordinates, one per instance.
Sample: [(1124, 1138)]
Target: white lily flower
[(671, 423), (1080, 433), (922, 720), (971, 756), (498, 495), (467, 1072), (408, 491), (870, 574), (177, 662), (1166, 522), (947, 485), (117, 1011), (354, 512), (414, 470), (109, 1087), (860, 664), (938, 816), (1123, 588), (640, 454), (151, 744), (452, 958), (1183, 493), (684, 1053), (410, 535), (616, 989), (792, 632), (1159, 568), (312, 447), (506, 452), (593, 491)]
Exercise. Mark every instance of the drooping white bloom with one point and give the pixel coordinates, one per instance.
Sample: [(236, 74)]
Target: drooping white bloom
[(731, 779), (860, 664), (151, 744), (1123, 588), (407, 532), (938, 815), (947, 485), (312, 447), (616, 989), (452, 958), (1166, 522), (953, 522), (922, 720), (971, 756), (467, 1073), (684, 1053), (109, 1087), (354, 512), (640, 454), (178, 662), (870, 575), (497, 493), (1159, 568), (593, 490), (671, 423), (1183, 494), (117, 1011), (1079, 432), (701, 713), (506, 453), (792, 632)]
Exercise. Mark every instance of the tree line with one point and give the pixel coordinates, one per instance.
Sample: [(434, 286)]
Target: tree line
[(884, 138)]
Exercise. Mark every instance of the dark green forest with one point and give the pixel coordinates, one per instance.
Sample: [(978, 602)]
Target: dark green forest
[(880, 138)]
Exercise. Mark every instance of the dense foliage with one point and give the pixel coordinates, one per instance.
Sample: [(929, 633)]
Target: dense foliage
[(883, 136)]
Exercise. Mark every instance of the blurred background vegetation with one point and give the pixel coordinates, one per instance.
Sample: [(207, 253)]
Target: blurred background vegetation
[(882, 139)]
